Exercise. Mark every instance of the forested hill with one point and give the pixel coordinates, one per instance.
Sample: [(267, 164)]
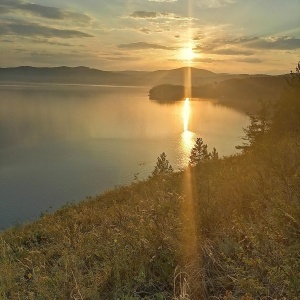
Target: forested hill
[(241, 93)]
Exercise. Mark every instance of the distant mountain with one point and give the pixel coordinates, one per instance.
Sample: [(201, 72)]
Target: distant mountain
[(77, 75), (173, 76), (182, 72), (241, 91), (85, 75)]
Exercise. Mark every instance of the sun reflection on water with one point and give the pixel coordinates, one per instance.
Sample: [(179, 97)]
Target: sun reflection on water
[(186, 114), (187, 137)]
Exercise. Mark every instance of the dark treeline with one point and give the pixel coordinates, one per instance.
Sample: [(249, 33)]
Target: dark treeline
[(243, 94), (223, 228)]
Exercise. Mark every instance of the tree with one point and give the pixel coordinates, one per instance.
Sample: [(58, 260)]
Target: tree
[(287, 114), (198, 153), (163, 166), (214, 155), (296, 75), (259, 125)]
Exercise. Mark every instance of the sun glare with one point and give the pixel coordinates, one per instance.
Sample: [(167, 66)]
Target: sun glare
[(187, 54)]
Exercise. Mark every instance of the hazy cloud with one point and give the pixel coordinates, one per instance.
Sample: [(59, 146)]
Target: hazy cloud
[(3, 10), (144, 14), (215, 3), (49, 42), (59, 58), (250, 60), (143, 46), (208, 60), (162, 0), (216, 47), (123, 58), (208, 45), (143, 30), (37, 30), (141, 14), (272, 43), (231, 52), (19, 50), (246, 45), (152, 30), (48, 12)]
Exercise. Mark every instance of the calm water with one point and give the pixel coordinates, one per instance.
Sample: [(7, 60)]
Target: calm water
[(59, 144)]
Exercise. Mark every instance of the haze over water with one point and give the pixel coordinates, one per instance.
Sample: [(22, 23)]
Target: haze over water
[(62, 143)]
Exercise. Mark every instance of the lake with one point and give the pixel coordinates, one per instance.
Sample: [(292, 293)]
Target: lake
[(62, 143)]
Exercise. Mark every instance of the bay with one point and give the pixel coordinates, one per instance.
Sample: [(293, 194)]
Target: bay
[(62, 143)]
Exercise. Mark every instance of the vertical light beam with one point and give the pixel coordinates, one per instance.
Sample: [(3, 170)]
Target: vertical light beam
[(191, 258), (186, 114)]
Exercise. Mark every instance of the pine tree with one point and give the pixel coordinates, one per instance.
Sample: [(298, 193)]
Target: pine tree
[(214, 155), (287, 114), (259, 125), (198, 153), (162, 167)]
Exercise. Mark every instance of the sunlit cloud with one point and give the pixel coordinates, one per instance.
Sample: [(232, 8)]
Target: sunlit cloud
[(143, 46)]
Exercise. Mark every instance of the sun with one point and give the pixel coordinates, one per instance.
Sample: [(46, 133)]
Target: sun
[(187, 54)]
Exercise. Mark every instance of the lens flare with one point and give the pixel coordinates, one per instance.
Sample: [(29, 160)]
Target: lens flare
[(190, 235)]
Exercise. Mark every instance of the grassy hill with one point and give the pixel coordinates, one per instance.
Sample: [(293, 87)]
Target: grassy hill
[(224, 229)]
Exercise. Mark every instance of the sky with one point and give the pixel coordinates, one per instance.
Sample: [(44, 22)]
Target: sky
[(232, 36)]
